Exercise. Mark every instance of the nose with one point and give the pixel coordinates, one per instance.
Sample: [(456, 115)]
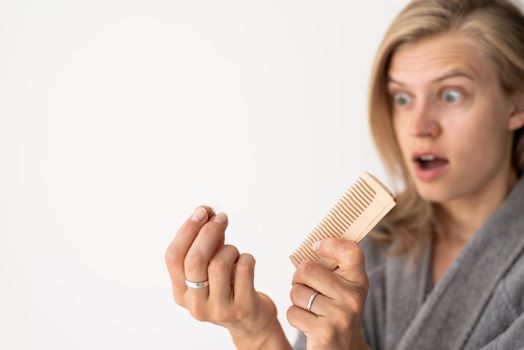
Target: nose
[(424, 122)]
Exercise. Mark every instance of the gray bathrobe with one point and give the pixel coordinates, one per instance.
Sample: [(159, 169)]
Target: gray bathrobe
[(478, 303)]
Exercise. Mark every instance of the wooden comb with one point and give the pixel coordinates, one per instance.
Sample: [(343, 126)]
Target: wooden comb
[(361, 207)]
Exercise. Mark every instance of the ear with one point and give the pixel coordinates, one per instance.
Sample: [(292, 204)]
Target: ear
[(516, 117)]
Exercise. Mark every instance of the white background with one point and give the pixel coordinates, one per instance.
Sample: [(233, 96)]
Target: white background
[(118, 118)]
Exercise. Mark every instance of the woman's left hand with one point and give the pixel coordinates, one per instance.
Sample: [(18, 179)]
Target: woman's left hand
[(335, 319)]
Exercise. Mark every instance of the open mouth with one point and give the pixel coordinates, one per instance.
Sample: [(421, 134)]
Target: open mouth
[(429, 167), (427, 162)]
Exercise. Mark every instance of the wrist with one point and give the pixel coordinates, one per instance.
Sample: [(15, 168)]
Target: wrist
[(270, 337), (362, 344)]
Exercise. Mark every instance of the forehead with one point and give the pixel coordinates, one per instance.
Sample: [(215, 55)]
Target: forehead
[(427, 59)]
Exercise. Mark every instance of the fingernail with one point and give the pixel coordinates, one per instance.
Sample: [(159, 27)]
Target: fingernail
[(220, 218), (316, 245), (199, 214)]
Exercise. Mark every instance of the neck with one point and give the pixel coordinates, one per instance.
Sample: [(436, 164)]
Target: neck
[(462, 217)]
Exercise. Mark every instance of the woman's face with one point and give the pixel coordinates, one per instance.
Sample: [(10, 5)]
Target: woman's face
[(451, 117)]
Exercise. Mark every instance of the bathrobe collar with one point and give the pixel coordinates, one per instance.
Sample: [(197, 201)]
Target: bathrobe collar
[(415, 321)]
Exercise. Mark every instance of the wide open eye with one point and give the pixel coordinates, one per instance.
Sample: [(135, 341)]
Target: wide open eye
[(451, 96), (401, 99)]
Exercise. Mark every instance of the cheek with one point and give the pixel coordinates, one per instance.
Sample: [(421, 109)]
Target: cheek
[(401, 133), (478, 143)]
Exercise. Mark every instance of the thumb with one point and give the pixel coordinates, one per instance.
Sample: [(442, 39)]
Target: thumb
[(347, 255)]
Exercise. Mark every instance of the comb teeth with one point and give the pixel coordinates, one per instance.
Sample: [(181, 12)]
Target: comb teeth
[(353, 216)]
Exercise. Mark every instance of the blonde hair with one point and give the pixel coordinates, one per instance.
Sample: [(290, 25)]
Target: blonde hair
[(498, 27)]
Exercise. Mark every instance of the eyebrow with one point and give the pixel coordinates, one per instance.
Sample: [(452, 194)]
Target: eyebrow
[(451, 74)]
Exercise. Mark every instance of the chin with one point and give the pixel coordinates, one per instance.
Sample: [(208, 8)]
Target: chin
[(436, 192), (432, 197)]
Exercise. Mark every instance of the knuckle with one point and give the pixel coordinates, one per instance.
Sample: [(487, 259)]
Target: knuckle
[(178, 296), (305, 268), (194, 261), (178, 299), (346, 244), (342, 320), (198, 312), (290, 316), (293, 294), (219, 267), (294, 278), (171, 256), (351, 251), (354, 303), (221, 316), (357, 255), (232, 248), (326, 334)]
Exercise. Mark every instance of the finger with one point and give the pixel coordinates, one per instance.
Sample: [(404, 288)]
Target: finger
[(179, 246), (204, 248), (302, 319), (320, 305), (348, 255), (244, 279), (320, 279), (220, 270), (197, 260)]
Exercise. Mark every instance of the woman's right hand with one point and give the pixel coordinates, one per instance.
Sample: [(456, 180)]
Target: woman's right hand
[(198, 253)]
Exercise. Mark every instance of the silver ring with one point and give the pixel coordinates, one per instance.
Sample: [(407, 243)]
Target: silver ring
[(310, 301), (197, 285)]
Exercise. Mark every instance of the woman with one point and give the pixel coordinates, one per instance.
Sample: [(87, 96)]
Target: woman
[(445, 269)]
